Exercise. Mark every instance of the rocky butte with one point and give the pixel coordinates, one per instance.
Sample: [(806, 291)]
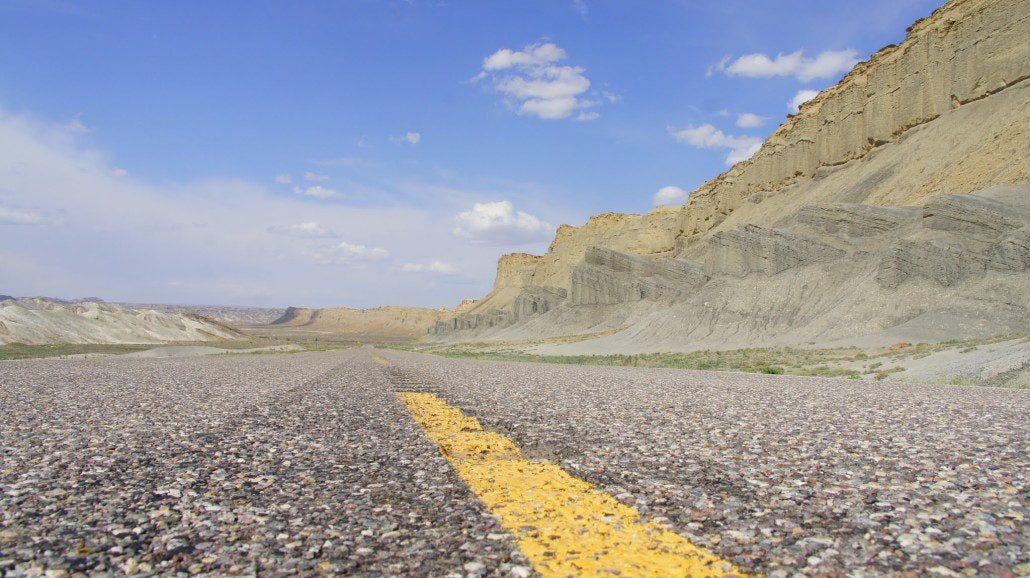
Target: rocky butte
[(894, 206)]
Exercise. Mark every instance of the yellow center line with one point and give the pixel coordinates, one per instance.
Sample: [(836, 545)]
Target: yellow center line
[(380, 360), (564, 525)]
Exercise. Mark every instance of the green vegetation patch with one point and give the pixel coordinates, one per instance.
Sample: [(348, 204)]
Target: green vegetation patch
[(23, 351), (774, 361), (847, 362)]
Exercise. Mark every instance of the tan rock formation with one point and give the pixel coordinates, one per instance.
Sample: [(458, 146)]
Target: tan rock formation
[(40, 321), (947, 110), (379, 324), (833, 274), (465, 305)]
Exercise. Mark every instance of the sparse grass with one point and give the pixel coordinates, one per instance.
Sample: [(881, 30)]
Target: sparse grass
[(23, 351), (920, 350), (840, 362), (506, 346), (826, 371), (883, 374), (773, 361), (263, 352)]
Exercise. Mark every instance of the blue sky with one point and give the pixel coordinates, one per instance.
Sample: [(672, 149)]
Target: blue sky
[(361, 153)]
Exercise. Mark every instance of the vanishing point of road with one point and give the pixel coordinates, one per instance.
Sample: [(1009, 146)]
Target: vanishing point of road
[(379, 462)]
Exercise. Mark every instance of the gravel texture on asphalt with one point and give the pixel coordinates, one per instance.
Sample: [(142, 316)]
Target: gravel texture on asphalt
[(782, 475), (300, 464)]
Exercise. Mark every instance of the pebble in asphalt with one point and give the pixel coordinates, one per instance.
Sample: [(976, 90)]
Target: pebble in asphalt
[(299, 464)]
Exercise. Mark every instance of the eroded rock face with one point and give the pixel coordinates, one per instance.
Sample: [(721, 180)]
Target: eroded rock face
[(963, 235), (965, 51), (931, 259), (471, 321), (954, 268), (389, 323), (532, 300), (40, 320), (606, 277), (754, 249), (944, 111), (849, 220), (984, 217), (537, 300), (1012, 253), (856, 216)]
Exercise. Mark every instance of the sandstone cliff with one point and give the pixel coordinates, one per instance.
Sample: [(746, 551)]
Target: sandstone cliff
[(833, 274), (380, 324), (944, 111), (837, 228)]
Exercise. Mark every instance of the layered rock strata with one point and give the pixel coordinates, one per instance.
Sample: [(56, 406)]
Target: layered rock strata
[(386, 324), (835, 273), (39, 320), (944, 111)]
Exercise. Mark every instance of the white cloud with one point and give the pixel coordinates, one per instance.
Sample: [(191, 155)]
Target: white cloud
[(306, 230), (76, 126), (317, 191), (498, 223), (587, 116), (671, 196), (720, 66), (800, 98), (119, 172), (581, 7), (749, 120), (315, 177), (535, 85), (345, 253), (19, 217), (707, 136), (826, 64), (190, 241), (283, 179), (411, 138), (437, 267), (532, 55)]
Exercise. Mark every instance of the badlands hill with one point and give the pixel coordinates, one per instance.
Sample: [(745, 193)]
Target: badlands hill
[(853, 223), (38, 320), (380, 324), (234, 315)]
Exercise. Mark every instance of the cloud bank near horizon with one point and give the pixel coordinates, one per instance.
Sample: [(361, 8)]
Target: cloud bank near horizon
[(70, 226)]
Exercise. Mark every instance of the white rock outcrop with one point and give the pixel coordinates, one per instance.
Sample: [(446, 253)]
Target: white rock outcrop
[(38, 320)]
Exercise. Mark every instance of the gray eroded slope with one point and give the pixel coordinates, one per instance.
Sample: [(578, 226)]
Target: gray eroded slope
[(831, 274)]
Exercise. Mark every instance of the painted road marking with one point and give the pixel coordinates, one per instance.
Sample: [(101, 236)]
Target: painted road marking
[(380, 360), (565, 526)]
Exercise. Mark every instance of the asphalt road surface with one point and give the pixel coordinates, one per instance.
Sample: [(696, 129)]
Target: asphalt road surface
[(310, 464)]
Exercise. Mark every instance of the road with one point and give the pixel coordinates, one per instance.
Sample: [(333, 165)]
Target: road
[(311, 463)]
